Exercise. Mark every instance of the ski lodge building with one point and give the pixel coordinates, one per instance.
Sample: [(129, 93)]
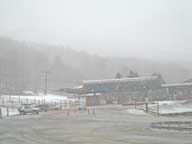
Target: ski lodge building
[(128, 90), (119, 91)]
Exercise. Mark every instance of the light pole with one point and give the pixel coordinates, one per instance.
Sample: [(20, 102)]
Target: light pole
[(45, 90), (45, 81)]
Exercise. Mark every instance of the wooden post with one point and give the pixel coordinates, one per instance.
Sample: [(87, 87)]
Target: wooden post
[(78, 102), (3, 101), (0, 113), (19, 99), (94, 112), (61, 104), (170, 93), (146, 107), (7, 111), (157, 108), (121, 99)]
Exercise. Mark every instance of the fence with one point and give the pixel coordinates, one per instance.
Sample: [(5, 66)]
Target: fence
[(10, 104), (152, 107), (173, 125)]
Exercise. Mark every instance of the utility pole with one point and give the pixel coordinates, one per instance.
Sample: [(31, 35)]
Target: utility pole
[(46, 81)]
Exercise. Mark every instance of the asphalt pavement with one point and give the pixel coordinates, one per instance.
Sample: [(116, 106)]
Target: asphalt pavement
[(101, 125)]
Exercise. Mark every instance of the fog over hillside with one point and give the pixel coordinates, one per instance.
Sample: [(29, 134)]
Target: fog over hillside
[(172, 71), (23, 65)]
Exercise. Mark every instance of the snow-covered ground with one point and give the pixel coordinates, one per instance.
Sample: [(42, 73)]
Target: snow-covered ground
[(14, 101), (12, 111), (166, 107), (35, 98), (135, 111), (48, 97), (175, 107)]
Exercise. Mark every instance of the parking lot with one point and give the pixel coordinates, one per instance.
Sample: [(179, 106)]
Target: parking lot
[(108, 125)]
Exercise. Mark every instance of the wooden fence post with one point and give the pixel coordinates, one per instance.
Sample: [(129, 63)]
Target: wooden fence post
[(146, 107), (7, 111), (0, 113), (61, 103), (94, 111), (157, 108), (3, 101)]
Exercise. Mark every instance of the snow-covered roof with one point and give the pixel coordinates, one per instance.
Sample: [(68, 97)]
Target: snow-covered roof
[(89, 95), (77, 87), (177, 84), (118, 80)]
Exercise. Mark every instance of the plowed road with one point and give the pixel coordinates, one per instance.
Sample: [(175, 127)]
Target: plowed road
[(110, 125)]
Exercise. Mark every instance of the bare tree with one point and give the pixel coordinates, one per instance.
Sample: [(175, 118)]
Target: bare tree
[(132, 74), (118, 75), (159, 76)]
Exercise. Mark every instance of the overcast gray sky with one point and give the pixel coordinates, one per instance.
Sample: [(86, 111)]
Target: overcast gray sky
[(157, 29)]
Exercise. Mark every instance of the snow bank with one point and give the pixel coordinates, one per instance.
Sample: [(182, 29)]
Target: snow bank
[(12, 112), (166, 107), (175, 108), (47, 98), (136, 111)]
